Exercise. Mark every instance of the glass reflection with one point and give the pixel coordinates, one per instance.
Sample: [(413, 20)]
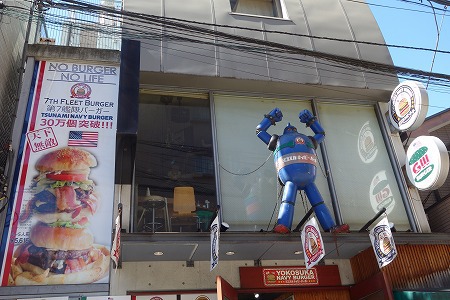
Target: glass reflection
[(174, 162), (381, 193), (367, 148)]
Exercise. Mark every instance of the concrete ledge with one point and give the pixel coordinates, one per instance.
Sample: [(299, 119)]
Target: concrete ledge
[(43, 52)]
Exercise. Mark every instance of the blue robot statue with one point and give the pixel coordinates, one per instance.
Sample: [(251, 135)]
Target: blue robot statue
[(295, 161)]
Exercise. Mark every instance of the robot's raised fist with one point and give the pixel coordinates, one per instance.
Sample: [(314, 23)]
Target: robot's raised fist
[(306, 116), (275, 115)]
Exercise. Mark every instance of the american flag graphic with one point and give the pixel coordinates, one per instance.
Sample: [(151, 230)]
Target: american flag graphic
[(83, 139)]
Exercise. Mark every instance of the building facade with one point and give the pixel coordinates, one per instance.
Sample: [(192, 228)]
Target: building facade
[(195, 81)]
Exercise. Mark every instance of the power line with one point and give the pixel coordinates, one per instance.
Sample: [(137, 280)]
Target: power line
[(438, 29), (442, 2), (401, 8), (187, 25), (182, 29), (163, 19)]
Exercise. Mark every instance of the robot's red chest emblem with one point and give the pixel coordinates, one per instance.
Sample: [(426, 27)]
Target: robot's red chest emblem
[(299, 140)]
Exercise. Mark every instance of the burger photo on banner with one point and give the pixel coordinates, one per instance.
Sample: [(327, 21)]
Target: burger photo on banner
[(61, 248), (63, 183)]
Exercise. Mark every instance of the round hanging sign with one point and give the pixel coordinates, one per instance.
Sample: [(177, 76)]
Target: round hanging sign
[(408, 106), (427, 163)]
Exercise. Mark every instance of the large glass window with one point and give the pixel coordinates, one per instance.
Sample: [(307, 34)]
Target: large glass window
[(362, 172), (174, 166), (250, 192)]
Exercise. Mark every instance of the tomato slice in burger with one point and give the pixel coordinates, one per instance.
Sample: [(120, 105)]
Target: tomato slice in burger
[(66, 177)]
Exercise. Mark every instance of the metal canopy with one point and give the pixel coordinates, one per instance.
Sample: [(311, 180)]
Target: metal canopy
[(253, 246)]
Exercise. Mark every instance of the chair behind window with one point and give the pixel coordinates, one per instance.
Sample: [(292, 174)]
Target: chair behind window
[(184, 200), (184, 207)]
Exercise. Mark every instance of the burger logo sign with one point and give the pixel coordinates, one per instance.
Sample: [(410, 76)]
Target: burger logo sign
[(427, 163), (408, 106)]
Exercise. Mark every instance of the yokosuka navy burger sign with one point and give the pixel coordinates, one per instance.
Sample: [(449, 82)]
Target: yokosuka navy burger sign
[(408, 106)]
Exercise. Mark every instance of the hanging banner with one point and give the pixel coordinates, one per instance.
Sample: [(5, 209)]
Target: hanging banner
[(312, 243), (59, 232), (115, 249), (215, 235), (383, 243)]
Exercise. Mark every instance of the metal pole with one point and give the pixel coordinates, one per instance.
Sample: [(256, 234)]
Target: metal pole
[(326, 162), (373, 219), (304, 219), (396, 168)]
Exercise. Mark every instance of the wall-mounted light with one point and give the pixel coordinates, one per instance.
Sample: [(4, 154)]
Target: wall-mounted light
[(224, 227), (158, 253), (256, 295), (298, 252), (392, 226), (230, 253)]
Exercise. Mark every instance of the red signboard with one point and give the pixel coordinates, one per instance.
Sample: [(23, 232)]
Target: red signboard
[(271, 277), (290, 276)]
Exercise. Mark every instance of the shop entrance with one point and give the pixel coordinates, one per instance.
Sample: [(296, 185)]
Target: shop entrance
[(226, 292)]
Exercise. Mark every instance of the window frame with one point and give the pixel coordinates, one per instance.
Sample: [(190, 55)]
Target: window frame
[(278, 5)]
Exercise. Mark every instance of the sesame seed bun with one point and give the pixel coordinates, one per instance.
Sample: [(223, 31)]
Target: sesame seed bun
[(61, 238), (66, 159)]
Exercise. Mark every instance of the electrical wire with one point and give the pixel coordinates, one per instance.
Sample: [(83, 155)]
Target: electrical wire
[(438, 29), (399, 8), (247, 173), (172, 38), (188, 33), (286, 48), (168, 20)]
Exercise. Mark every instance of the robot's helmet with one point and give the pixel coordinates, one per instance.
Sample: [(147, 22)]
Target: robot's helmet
[(289, 129)]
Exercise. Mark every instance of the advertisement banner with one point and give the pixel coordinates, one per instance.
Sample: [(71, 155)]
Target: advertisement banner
[(313, 246), (214, 240), (60, 232), (383, 243), (115, 249)]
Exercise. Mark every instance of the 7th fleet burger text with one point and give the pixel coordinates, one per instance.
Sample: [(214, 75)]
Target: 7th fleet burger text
[(77, 102)]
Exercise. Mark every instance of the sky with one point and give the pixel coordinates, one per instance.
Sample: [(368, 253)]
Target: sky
[(408, 23)]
